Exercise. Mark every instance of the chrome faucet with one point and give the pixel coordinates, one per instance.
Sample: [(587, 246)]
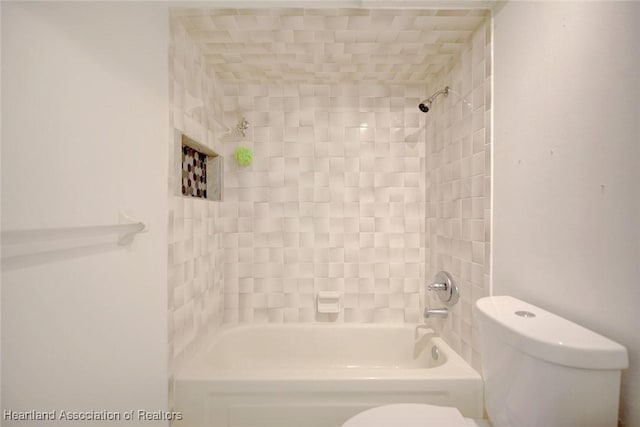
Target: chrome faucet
[(447, 291), (438, 286), (436, 312)]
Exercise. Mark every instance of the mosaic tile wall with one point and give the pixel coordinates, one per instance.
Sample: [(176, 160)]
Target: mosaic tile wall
[(458, 185), (334, 200), (194, 173), (194, 226)]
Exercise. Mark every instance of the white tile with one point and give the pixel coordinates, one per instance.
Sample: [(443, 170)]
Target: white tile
[(351, 215)]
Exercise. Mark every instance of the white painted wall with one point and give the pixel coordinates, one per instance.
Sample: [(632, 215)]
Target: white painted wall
[(0, 205), (85, 134), (567, 167)]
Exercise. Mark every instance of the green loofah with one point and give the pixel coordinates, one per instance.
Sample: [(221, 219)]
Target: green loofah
[(243, 156)]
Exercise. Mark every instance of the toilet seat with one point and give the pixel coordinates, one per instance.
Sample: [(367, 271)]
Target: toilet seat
[(411, 415)]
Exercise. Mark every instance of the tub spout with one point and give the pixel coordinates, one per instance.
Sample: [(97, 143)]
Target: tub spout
[(436, 312)]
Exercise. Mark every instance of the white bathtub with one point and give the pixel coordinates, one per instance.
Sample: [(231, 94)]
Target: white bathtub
[(311, 375)]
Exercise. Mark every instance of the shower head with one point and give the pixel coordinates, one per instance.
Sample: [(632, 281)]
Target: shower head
[(425, 105)]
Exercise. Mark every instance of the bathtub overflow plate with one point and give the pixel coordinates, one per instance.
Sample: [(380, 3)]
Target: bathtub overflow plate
[(435, 353)]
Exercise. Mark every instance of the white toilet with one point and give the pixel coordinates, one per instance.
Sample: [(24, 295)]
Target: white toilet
[(539, 370)]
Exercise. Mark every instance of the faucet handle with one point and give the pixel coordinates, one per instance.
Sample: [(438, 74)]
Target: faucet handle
[(438, 286), (445, 288)]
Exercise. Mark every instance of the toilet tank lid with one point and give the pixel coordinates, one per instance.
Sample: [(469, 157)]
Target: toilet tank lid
[(550, 337)]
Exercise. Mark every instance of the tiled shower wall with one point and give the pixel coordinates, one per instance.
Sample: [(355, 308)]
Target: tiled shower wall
[(458, 188), (334, 200), (194, 228)]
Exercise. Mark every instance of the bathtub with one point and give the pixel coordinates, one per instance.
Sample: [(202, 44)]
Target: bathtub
[(318, 375)]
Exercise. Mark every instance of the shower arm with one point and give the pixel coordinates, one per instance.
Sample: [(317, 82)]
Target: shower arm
[(444, 92)]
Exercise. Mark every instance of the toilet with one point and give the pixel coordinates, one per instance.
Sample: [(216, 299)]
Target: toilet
[(413, 415), (539, 370)]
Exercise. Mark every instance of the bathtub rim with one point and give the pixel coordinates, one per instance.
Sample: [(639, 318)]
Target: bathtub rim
[(194, 367)]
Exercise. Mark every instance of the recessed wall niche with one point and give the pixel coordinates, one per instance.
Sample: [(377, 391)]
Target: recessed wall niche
[(200, 171)]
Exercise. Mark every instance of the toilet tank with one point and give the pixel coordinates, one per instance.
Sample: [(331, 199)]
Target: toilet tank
[(542, 370)]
